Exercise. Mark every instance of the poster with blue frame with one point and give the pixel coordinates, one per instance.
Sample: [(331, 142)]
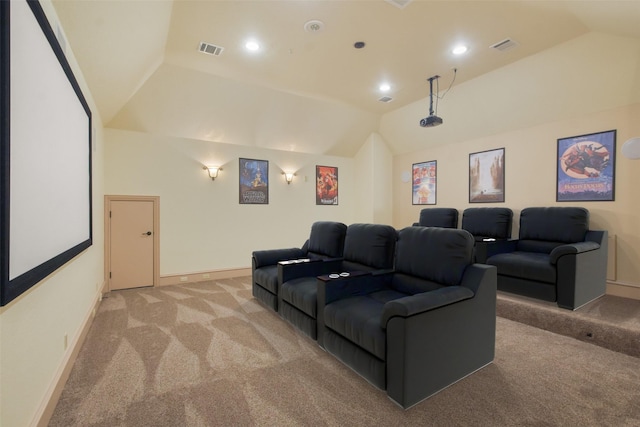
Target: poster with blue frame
[(254, 182), (586, 168)]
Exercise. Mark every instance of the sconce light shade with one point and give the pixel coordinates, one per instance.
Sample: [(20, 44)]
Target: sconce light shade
[(288, 176), (213, 171), (631, 148)]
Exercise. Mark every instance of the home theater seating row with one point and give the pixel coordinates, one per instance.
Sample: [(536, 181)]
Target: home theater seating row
[(414, 314), (555, 257)]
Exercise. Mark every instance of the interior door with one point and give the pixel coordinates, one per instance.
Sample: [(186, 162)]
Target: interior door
[(131, 243)]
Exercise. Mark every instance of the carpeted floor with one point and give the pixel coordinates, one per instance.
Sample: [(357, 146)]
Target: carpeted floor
[(208, 354)]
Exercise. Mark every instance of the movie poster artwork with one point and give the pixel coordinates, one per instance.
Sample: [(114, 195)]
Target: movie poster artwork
[(586, 167), (254, 182), (424, 183), (326, 185), (486, 176)]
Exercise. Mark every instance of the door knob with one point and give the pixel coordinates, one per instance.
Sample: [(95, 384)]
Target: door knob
[(148, 233)]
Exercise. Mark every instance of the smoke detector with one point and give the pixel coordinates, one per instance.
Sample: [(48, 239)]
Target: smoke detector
[(313, 26)]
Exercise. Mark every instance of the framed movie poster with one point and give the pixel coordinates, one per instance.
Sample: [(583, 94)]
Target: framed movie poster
[(586, 168), (326, 185), (486, 176), (254, 182), (424, 184)]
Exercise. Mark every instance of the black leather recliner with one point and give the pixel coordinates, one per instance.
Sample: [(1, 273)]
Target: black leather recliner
[(555, 258), (487, 225), (438, 217), (325, 242), (419, 329), (367, 247)]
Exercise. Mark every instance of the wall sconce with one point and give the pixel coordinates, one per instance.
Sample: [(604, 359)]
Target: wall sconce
[(288, 176), (213, 171)]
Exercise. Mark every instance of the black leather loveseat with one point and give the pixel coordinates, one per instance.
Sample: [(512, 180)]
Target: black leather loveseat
[(555, 258), (420, 328), (367, 247)]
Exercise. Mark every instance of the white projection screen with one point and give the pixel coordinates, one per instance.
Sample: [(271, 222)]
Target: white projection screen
[(45, 213)]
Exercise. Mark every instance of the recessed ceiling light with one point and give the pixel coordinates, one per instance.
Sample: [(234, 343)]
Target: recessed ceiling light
[(459, 49), (384, 87), (252, 45)]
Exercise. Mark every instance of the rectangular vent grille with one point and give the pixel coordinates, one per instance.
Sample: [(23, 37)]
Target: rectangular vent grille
[(504, 45), (385, 99), (210, 49), (401, 4)]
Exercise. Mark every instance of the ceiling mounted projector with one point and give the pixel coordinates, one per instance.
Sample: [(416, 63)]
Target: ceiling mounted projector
[(432, 120)]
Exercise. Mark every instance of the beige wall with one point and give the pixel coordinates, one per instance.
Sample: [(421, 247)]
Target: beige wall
[(530, 174), (202, 225), (373, 162), (33, 326)]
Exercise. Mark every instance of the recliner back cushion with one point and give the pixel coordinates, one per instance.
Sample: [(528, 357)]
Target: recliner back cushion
[(438, 255), (370, 244), (488, 222), (439, 217), (554, 224), (327, 239)]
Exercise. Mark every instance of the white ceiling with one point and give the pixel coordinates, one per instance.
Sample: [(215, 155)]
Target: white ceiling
[(312, 92)]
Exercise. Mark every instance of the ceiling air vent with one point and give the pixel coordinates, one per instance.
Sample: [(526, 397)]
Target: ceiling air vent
[(210, 49), (504, 45), (385, 99), (401, 4)]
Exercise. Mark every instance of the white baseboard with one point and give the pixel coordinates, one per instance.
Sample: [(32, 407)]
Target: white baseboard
[(625, 290), (50, 400), (175, 279)]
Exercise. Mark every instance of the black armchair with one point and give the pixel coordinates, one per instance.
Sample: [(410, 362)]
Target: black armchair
[(438, 217), (419, 329), (556, 258), (326, 241), (367, 247)]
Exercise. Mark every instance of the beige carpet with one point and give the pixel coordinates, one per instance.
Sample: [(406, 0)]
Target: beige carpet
[(208, 354)]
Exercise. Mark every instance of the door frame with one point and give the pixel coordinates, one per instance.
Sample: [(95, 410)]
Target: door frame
[(107, 234)]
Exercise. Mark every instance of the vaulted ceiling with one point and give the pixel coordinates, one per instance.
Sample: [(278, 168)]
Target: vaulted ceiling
[(314, 91)]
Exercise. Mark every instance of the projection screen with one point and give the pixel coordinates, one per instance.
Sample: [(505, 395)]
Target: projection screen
[(45, 150)]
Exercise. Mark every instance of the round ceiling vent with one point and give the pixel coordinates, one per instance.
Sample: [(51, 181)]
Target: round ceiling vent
[(313, 26)]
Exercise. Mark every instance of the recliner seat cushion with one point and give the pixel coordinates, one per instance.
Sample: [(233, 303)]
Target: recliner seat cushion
[(267, 277), (554, 224), (358, 320), (527, 265), (539, 246), (302, 294)]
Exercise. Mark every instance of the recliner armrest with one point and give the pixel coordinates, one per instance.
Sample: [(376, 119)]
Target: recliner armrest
[(273, 256), (572, 248), (313, 268), (419, 303), (359, 283)]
